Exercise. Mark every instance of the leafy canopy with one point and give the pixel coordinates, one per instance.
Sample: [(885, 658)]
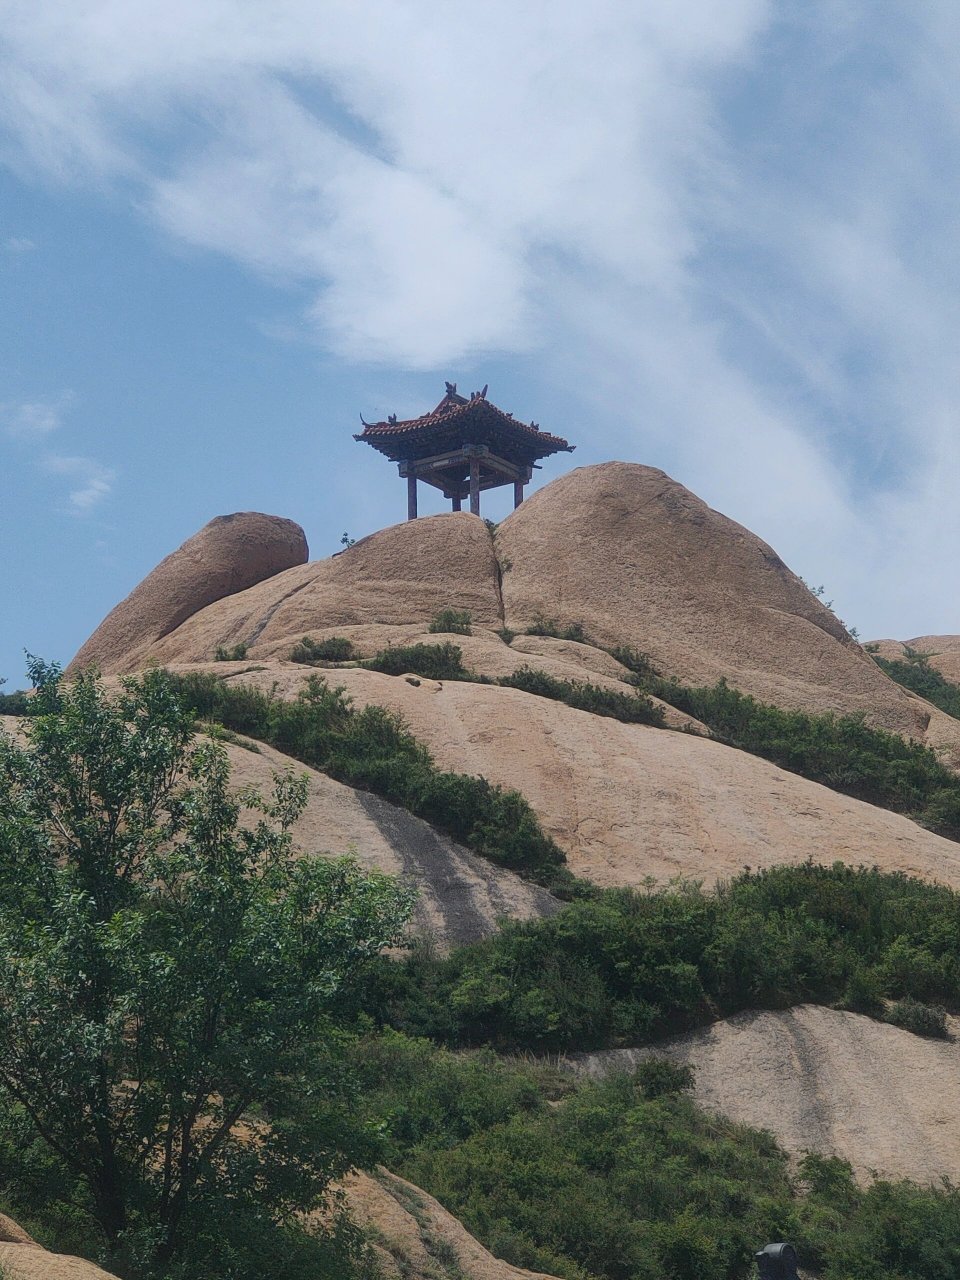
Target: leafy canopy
[(166, 963)]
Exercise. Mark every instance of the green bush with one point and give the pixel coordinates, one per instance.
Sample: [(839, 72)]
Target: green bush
[(432, 661), (372, 749), (334, 649), (922, 1019), (916, 674), (543, 626), (15, 704), (632, 708), (236, 654), (628, 1179), (624, 968), (457, 621)]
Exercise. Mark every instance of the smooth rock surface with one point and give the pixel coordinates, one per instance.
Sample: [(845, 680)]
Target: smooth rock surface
[(461, 895), (821, 1080), (228, 555), (626, 802)]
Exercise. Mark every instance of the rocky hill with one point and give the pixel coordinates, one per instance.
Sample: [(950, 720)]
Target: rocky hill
[(609, 565)]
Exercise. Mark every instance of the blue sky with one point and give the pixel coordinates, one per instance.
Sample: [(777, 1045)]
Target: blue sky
[(721, 240)]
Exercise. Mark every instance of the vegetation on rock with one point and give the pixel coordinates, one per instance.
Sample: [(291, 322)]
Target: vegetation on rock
[(633, 708), (373, 750), (842, 752), (455, 621), (627, 967), (915, 673), (432, 661), (333, 649), (629, 1179)]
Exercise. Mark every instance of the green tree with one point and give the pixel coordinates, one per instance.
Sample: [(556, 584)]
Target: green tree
[(167, 964)]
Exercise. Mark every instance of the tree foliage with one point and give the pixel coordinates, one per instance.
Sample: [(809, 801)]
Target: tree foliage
[(166, 964)]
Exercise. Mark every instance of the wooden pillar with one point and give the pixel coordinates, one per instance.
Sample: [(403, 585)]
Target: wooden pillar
[(411, 495), (456, 502), (517, 493), (475, 486)]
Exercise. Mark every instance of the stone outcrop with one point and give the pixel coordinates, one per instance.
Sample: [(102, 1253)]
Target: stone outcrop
[(416, 1238), (636, 559), (21, 1258), (821, 1080), (941, 652), (228, 555), (400, 577), (626, 801)]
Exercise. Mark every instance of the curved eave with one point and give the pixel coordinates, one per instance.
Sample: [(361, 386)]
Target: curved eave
[(401, 446)]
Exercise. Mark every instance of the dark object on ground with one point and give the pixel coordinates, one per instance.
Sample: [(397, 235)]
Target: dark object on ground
[(777, 1262)]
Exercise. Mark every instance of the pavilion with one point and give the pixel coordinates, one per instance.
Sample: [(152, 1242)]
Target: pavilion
[(462, 447)]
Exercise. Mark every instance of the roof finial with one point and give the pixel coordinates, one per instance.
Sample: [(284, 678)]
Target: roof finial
[(391, 418), (451, 388)]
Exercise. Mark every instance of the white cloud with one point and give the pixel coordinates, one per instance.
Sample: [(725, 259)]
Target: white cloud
[(19, 244), (35, 419), (91, 479)]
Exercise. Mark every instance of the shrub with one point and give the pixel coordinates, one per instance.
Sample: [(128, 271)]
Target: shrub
[(334, 649), (639, 664), (632, 708), (432, 661), (921, 1019), (236, 654), (15, 704), (543, 626), (916, 674), (623, 968), (456, 621)]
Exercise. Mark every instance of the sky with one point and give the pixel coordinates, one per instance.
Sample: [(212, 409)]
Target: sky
[(717, 239)]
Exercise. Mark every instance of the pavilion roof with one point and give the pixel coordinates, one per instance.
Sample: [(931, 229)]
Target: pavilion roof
[(458, 420)]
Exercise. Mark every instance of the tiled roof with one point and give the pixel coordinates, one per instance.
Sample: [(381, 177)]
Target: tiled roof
[(454, 410)]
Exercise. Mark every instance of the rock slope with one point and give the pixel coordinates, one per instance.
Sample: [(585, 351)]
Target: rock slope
[(821, 1080), (461, 896), (941, 652), (627, 802), (416, 1238)]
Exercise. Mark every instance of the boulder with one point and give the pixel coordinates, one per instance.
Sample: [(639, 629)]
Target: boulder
[(635, 559), (228, 555), (400, 577)]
